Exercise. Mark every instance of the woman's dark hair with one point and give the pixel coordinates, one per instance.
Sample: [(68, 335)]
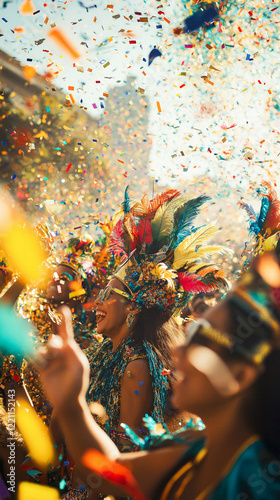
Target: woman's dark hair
[(262, 407)]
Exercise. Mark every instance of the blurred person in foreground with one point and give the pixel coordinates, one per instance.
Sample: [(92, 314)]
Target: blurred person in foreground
[(229, 374)]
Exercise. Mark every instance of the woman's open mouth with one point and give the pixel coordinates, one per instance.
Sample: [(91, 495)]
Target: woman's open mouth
[(100, 315)]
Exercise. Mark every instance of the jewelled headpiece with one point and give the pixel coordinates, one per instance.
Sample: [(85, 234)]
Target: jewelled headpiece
[(164, 254), (255, 300)]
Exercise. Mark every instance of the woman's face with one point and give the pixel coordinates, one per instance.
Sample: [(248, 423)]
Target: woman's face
[(65, 280), (204, 380), (111, 313)]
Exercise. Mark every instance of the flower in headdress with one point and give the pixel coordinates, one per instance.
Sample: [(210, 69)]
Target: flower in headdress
[(163, 273)]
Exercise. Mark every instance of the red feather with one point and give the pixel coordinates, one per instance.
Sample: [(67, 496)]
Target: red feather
[(117, 244), (272, 220), (143, 233), (112, 471), (191, 283)]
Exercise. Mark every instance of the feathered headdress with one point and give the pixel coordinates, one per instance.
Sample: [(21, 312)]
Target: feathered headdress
[(79, 255), (104, 262), (165, 254), (265, 226)]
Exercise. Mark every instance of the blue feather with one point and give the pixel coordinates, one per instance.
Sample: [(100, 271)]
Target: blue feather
[(126, 201), (263, 212), (253, 219), (184, 218), (249, 209), (254, 228)]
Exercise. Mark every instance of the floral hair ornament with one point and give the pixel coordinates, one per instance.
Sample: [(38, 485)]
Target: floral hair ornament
[(166, 256)]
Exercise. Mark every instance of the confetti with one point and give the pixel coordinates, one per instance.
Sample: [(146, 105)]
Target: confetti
[(24, 251), (26, 8), (31, 491), (10, 341), (64, 43), (35, 434), (113, 472)]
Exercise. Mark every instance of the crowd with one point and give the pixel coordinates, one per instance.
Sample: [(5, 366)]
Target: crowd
[(151, 369)]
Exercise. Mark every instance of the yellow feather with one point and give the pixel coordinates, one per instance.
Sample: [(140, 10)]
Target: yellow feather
[(190, 243), (204, 252), (163, 221)]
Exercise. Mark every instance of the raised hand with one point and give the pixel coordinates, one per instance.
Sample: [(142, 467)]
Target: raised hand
[(64, 368)]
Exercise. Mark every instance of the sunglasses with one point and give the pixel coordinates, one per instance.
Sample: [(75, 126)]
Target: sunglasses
[(254, 355), (203, 327), (104, 294)]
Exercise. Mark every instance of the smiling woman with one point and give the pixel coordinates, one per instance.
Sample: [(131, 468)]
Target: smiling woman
[(131, 371), (236, 456)]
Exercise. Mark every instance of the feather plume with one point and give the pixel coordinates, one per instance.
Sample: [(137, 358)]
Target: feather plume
[(184, 218), (263, 212), (117, 243), (143, 233), (253, 221), (148, 208), (249, 209), (207, 251), (272, 219), (163, 221), (191, 243), (212, 277), (191, 283), (126, 201)]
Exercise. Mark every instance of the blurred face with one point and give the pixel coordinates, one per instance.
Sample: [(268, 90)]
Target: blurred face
[(205, 381), (111, 309), (198, 308), (65, 280)]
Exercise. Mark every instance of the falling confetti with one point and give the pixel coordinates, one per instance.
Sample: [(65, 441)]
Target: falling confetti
[(31, 491), (64, 43), (35, 434)]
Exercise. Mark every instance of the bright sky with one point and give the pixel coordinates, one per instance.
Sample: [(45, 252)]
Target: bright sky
[(214, 96)]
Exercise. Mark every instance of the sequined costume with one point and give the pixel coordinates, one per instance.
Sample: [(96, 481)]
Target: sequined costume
[(106, 370)]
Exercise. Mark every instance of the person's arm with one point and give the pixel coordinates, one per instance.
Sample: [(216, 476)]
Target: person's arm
[(65, 377), (13, 293), (136, 396), (148, 468)]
